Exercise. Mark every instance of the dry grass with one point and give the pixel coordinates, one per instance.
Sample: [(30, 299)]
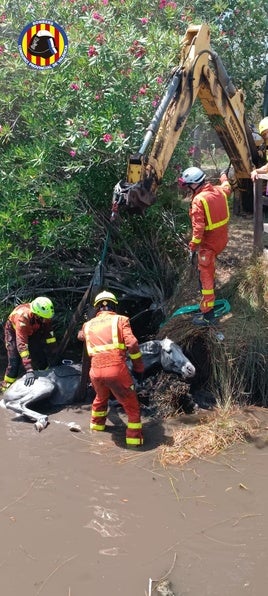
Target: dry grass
[(227, 427), (234, 370)]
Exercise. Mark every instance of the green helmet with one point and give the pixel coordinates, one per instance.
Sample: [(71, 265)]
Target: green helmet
[(104, 297), (42, 307)]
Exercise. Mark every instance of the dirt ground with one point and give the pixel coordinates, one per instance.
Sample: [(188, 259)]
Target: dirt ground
[(82, 515)]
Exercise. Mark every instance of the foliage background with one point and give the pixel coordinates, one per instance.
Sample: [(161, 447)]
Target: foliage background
[(65, 135)]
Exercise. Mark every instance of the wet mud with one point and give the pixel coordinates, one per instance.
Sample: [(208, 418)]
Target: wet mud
[(80, 514)]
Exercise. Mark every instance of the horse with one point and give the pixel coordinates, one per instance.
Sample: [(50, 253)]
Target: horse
[(60, 384), (165, 354)]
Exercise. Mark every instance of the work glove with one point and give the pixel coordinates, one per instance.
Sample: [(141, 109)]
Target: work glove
[(192, 257), (29, 378), (224, 175)]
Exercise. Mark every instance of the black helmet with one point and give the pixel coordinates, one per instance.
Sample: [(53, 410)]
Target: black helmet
[(42, 44)]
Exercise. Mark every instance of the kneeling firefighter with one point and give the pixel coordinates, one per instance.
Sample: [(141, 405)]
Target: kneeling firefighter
[(108, 338), (28, 328)]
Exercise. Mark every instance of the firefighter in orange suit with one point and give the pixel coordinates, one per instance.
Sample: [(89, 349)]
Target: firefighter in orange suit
[(209, 214), (26, 320), (263, 128), (108, 338)]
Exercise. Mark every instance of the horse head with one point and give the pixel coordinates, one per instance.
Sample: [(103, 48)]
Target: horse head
[(174, 360)]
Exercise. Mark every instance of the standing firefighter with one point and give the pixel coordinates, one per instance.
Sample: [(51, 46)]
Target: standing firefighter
[(209, 213), (263, 128), (108, 337), (28, 321)]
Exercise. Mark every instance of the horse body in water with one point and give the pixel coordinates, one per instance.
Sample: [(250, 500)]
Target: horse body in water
[(60, 385)]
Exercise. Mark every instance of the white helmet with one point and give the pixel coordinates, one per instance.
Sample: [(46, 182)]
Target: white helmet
[(263, 126), (192, 175), (104, 298)]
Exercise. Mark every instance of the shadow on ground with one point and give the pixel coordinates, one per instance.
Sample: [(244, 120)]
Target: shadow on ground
[(154, 432)]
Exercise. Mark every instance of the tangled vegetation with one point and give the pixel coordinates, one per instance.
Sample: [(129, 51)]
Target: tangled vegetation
[(65, 135)]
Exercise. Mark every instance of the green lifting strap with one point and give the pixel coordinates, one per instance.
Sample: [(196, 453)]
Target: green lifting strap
[(221, 307)]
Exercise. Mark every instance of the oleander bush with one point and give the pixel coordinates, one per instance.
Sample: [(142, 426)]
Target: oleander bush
[(66, 133)]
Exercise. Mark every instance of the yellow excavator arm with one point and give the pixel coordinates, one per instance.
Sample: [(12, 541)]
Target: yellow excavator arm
[(200, 74)]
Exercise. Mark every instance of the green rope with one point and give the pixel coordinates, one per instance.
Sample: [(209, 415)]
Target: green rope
[(105, 248)]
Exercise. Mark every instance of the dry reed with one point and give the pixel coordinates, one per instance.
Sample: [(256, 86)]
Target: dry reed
[(227, 427)]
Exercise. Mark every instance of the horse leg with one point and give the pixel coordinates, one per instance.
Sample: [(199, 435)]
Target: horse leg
[(41, 420)]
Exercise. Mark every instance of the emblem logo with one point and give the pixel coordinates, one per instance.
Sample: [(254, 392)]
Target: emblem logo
[(43, 44)]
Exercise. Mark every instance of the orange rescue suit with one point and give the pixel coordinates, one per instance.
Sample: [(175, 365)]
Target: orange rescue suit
[(209, 215), (21, 324), (108, 339)]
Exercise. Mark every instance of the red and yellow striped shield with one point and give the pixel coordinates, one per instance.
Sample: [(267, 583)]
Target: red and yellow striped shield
[(43, 44)]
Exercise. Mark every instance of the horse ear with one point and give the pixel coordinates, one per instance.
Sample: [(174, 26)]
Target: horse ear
[(153, 346), (166, 344)]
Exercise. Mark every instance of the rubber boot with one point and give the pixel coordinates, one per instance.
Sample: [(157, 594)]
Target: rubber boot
[(205, 319)]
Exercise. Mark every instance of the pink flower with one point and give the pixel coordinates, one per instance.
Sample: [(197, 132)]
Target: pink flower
[(1, 49), (92, 51), (84, 133), (144, 20), (105, 2), (74, 86), (100, 38), (155, 101), (73, 152), (165, 3), (140, 53), (142, 90), (159, 80), (97, 96), (97, 17), (137, 49), (84, 8), (192, 150), (134, 98), (107, 138)]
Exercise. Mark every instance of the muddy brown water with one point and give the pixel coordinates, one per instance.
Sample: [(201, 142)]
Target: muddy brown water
[(82, 515)]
